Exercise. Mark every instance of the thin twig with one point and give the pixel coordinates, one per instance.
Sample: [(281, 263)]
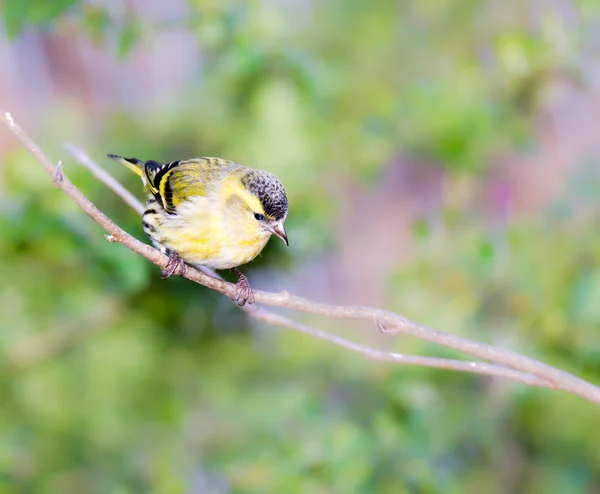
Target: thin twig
[(394, 323), (371, 353), (106, 178), (271, 317)]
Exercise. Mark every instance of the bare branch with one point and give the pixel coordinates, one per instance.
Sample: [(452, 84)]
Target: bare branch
[(106, 178), (512, 365), (374, 354), (270, 317)]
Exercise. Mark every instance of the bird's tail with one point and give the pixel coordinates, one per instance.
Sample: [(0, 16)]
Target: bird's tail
[(132, 163)]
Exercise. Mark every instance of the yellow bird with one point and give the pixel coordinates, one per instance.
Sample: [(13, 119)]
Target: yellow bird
[(210, 212)]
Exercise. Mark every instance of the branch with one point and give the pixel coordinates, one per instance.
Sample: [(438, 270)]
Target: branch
[(270, 317), (373, 354), (101, 174), (511, 365)]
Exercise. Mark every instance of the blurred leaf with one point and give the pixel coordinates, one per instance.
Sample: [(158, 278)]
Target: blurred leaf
[(18, 12), (486, 251), (96, 21), (128, 37), (586, 293)]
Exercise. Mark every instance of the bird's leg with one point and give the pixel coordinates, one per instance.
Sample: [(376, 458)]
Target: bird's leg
[(175, 264), (244, 292)]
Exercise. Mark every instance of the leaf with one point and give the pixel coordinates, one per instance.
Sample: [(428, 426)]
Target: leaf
[(95, 22), (486, 251), (127, 39), (19, 12), (421, 229), (15, 14), (43, 11)]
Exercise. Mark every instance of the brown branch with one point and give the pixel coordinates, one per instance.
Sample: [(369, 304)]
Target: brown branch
[(270, 317), (106, 178), (512, 365), (440, 363)]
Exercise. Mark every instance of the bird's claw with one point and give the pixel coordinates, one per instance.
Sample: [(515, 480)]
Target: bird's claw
[(175, 265), (244, 293)]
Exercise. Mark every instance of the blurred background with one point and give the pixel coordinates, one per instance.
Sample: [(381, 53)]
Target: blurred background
[(441, 160)]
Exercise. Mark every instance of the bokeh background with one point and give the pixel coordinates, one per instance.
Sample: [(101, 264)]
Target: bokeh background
[(441, 160)]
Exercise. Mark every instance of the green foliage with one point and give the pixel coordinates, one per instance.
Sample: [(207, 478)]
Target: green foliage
[(38, 12), (115, 381)]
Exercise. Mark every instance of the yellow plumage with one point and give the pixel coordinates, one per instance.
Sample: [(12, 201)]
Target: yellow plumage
[(209, 211)]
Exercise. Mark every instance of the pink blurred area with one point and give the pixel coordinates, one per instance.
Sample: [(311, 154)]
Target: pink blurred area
[(38, 69), (516, 185)]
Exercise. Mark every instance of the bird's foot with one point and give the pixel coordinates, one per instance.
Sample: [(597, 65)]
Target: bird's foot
[(244, 293), (175, 265)]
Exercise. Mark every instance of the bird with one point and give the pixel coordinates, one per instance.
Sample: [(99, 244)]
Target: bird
[(210, 212)]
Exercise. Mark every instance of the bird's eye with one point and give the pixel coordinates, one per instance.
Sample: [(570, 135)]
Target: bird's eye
[(259, 216)]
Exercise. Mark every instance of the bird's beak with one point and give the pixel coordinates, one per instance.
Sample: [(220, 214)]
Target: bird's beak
[(278, 229)]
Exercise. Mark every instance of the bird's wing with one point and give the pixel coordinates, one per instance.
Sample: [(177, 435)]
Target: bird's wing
[(175, 182)]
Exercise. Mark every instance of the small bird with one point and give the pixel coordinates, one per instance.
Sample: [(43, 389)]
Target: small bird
[(210, 212)]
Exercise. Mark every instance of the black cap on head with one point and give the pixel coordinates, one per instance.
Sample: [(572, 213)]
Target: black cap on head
[(270, 193)]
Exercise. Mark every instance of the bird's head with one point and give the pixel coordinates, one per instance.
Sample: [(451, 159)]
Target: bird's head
[(261, 199)]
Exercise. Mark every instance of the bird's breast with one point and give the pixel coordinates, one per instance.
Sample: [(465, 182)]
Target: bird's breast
[(203, 233)]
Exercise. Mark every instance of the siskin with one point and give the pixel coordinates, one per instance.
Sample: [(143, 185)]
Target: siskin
[(210, 212)]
